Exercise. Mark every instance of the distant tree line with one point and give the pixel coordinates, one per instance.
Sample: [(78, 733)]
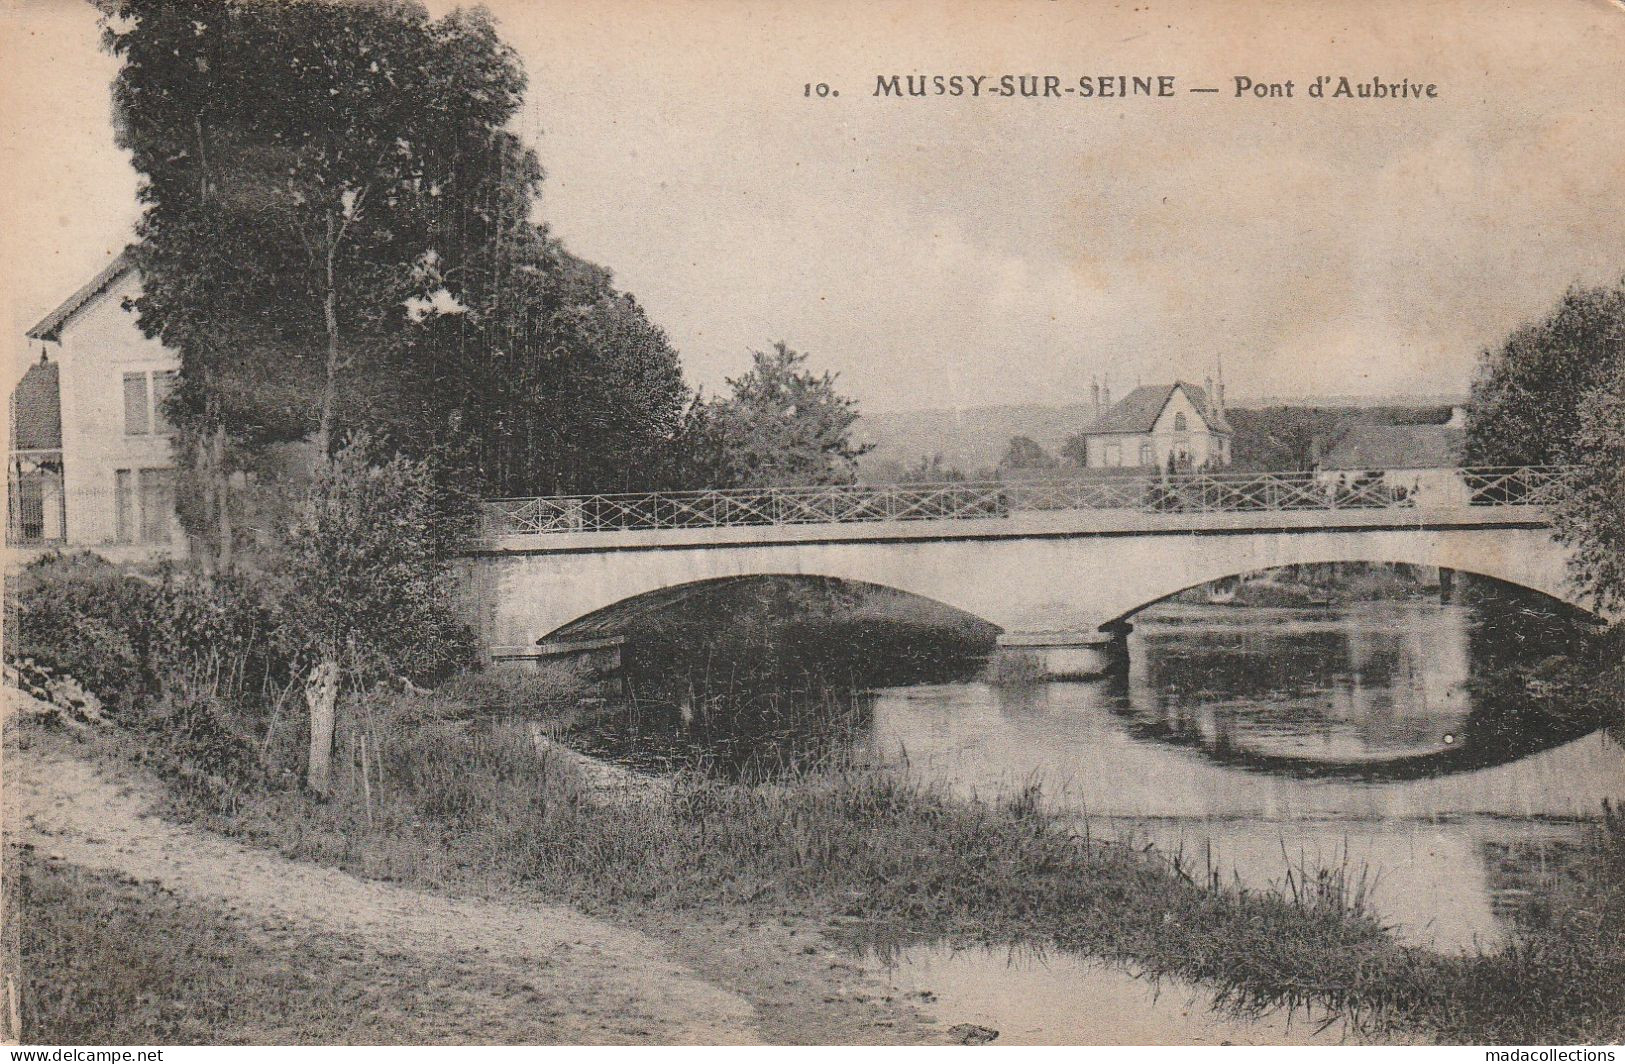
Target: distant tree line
[(1286, 438)]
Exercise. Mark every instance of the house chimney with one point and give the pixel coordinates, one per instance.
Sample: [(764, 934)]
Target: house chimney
[(1094, 396)]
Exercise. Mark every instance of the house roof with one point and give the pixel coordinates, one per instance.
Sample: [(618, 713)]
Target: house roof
[(36, 410), (1397, 447), (1138, 410), (50, 326)]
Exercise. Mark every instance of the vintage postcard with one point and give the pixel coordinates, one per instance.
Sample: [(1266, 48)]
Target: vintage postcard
[(661, 522)]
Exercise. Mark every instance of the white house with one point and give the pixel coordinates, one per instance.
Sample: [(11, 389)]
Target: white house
[(1158, 421), (96, 392)]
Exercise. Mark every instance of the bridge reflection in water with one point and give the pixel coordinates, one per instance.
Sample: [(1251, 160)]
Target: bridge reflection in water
[(1258, 737)]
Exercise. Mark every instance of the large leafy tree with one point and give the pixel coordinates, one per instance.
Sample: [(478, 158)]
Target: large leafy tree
[(311, 172), (1554, 393), (338, 236), (1529, 394), (782, 425), (1590, 513), (558, 383)]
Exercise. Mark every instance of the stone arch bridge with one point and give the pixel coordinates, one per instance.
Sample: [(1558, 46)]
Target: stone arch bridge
[(1058, 565)]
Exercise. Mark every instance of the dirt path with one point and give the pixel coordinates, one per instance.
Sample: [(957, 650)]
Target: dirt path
[(604, 984)]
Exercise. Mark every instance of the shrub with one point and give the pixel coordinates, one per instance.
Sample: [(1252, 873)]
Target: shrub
[(364, 579), (188, 667), (510, 691), (79, 615), (199, 745)]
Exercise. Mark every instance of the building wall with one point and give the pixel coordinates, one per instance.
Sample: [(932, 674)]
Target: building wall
[(1150, 450), (98, 346), (1197, 441), (1128, 444)]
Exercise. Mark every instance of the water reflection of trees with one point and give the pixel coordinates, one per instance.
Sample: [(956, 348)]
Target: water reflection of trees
[(1561, 878), (754, 679), (1431, 691)]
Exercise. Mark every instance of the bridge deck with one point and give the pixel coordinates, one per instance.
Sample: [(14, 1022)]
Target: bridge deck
[(1022, 525), (1194, 504)]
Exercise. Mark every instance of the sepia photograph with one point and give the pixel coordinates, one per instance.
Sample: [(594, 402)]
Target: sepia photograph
[(659, 523)]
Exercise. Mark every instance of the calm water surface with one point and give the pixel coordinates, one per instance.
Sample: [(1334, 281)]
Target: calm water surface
[(1251, 740), (1248, 740)]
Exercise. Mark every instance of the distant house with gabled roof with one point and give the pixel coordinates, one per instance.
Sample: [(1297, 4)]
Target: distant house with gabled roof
[(1158, 422), (90, 460)]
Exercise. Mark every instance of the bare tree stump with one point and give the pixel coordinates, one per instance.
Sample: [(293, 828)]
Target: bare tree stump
[(321, 695)]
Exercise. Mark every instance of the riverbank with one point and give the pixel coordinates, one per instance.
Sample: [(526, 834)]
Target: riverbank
[(758, 881), (130, 923), (137, 930), (752, 886)]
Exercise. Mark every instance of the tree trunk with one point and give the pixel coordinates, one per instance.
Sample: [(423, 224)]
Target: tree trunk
[(330, 319), (200, 458), (222, 499), (321, 695)]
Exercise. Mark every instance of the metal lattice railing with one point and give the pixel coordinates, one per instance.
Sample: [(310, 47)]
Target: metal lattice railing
[(1189, 493)]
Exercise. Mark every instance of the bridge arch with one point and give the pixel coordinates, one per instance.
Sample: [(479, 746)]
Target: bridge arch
[(1535, 578), (616, 615), (1022, 578)]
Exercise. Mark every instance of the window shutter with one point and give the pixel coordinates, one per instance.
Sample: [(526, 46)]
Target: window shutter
[(163, 382), (135, 405), (124, 504), (157, 504)]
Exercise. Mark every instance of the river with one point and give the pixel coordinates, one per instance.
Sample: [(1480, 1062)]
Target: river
[(1253, 740), (1369, 736)]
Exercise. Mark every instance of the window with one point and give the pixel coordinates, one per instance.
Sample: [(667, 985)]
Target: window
[(144, 396), (144, 505), (1114, 454), (1146, 457), (26, 515), (1180, 424)]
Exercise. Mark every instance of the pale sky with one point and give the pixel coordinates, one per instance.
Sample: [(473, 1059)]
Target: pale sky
[(955, 252)]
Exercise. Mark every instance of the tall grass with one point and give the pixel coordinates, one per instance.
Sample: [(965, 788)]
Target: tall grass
[(873, 852)]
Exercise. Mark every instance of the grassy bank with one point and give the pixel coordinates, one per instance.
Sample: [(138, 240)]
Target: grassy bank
[(108, 960), (468, 804)]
